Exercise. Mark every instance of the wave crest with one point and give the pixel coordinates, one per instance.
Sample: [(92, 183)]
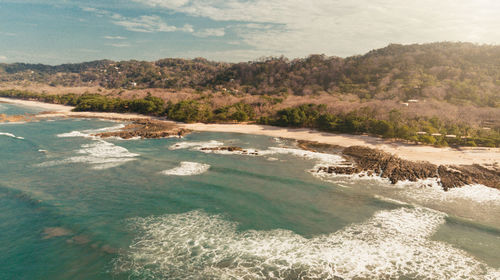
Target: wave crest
[(89, 132), (10, 135), (100, 154), (195, 145)]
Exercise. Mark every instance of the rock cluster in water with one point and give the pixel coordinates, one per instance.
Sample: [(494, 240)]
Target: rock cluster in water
[(146, 128), (234, 149), (371, 161)]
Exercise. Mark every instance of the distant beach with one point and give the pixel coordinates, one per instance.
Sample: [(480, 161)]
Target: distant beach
[(435, 155)]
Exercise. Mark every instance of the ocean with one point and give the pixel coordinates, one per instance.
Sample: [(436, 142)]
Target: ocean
[(73, 206)]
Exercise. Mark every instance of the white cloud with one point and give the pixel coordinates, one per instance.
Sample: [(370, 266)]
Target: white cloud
[(145, 24), (216, 32), (340, 27), (89, 9), (3, 58), (150, 24), (119, 45), (114, 37)]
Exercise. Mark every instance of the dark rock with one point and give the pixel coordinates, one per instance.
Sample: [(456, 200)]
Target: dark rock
[(396, 169), (225, 148), (146, 128), (391, 167), (457, 176)]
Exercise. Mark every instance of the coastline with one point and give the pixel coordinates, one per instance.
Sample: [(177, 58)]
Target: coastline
[(58, 110), (411, 152)]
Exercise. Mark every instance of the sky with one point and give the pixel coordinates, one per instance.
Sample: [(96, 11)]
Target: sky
[(70, 31)]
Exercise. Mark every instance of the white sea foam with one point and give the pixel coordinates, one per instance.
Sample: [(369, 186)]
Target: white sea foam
[(320, 157), (422, 190), (187, 169), (195, 145), (476, 192), (392, 244), (333, 178), (100, 154), (73, 134), (480, 194), (279, 141), (88, 133), (10, 135), (107, 129), (391, 200)]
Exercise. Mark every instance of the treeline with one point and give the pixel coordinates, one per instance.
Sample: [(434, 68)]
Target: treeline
[(184, 111), (149, 105), (423, 130), (194, 111), (419, 130), (458, 73)]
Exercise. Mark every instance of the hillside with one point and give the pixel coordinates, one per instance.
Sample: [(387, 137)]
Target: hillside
[(398, 91), (459, 73)]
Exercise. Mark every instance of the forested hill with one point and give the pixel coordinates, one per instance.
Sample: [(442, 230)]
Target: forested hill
[(458, 73)]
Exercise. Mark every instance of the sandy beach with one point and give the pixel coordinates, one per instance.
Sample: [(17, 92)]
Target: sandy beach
[(57, 110), (407, 151), (447, 156), (45, 106)]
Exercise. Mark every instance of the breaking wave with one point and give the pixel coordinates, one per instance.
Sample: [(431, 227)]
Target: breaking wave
[(195, 145), (10, 135), (320, 157), (100, 154), (429, 189), (88, 133), (480, 194), (187, 169), (391, 244)]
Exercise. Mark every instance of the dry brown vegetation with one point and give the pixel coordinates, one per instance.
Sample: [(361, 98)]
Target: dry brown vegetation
[(336, 103), (447, 88)]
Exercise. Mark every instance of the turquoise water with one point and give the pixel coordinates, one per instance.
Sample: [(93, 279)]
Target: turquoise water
[(74, 207)]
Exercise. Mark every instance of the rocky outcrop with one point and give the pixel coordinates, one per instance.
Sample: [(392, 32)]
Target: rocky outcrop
[(389, 166), (146, 128), (372, 161), (234, 149), (224, 148), (457, 176), (319, 147)]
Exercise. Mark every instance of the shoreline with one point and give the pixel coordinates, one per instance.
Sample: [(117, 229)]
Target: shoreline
[(411, 152)]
